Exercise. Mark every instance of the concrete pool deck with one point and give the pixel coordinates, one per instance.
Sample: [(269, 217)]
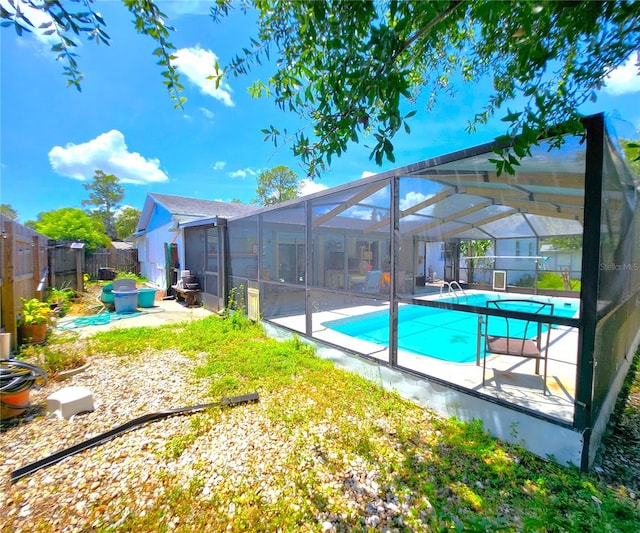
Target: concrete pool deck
[(511, 379)]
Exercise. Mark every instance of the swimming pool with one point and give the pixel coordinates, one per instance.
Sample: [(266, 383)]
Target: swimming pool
[(444, 334)]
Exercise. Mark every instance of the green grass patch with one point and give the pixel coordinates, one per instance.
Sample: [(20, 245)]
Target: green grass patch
[(551, 280), (378, 450)]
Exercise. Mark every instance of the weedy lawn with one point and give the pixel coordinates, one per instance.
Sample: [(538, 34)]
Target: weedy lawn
[(330, 451)]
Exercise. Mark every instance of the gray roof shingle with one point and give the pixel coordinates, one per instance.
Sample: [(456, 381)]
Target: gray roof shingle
[(196, 207)]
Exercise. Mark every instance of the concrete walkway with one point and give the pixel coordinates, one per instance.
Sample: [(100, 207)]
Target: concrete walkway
[(163, 312)]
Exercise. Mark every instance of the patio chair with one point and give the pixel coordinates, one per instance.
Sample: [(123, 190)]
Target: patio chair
[(372, 281), (515, 336)]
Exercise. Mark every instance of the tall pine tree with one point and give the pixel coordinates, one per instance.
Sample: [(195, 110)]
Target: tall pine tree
[(105, 195)]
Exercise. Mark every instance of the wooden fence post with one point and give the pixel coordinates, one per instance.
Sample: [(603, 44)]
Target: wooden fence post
[(8, 280), (52, 263), (35, 244), (79, 273)]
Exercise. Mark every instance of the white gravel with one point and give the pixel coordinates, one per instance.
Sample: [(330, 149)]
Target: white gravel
[(223, 450)]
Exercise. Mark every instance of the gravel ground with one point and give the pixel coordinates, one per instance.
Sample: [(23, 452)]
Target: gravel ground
[(63, 493), (102, 486), (618, 459)]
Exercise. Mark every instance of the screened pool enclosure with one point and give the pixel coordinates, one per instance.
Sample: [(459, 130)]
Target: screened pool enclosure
[(402, 274)]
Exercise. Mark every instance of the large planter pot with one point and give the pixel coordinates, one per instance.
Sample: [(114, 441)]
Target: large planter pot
[(107, 294), (32, 333), (146, 297)]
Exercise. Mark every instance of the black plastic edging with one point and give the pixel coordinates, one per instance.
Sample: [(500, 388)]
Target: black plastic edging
[(112, 433)]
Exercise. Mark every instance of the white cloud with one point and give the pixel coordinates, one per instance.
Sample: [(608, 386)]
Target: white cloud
[(366, 174), (625, 79), (207, 113), (176, 8), (413, 198), (360, 213), (109, 153), (121, 209), (243, 173), (197, 65), (308, 186), (219, 165)]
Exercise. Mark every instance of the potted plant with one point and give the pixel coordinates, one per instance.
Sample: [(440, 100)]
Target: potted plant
[(33, 321), (59, 300)]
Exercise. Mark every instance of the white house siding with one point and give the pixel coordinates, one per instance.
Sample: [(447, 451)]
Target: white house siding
[(153, 267), (434, 259), (516, 258), (558, 260)]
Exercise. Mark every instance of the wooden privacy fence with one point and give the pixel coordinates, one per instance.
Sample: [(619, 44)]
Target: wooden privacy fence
[(66, 265), (120, 260), (30, 263), (24, 265)]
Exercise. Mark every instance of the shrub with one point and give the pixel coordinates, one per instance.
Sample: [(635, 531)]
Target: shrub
[(60, 300), (34, 312), (550, 280), (56, 357), (526, 280), (131, 275)]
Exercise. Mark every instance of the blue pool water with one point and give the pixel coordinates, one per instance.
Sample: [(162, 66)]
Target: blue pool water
[(440, 333)]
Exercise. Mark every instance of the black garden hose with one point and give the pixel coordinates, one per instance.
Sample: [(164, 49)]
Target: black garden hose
[(19, 376), (123, 428)]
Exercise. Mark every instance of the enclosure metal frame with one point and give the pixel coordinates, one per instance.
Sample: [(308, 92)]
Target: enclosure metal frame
[(586, 325)]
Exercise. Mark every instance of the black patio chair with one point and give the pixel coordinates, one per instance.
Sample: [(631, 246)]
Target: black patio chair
[(515, 336)]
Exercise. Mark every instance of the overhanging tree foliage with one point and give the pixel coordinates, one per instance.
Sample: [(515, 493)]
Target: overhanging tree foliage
[(630, 148), (353, 70)]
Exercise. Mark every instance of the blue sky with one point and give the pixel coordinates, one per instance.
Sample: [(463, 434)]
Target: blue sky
[(53, 138)]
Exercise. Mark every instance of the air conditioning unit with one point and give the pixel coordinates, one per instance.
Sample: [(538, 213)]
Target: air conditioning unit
[(253, 304), (499, 280)]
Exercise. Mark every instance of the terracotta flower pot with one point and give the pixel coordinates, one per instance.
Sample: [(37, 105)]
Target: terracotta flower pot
[(12, 405), (32, 333)]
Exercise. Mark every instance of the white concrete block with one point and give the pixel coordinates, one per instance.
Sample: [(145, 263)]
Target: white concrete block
[(69, 401)]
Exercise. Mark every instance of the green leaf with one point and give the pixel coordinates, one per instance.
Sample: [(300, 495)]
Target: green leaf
[(511, 117)]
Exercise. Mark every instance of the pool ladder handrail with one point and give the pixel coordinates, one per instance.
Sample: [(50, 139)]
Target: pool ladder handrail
[(452, 289)]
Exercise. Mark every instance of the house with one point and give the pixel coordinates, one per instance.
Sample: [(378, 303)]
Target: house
[(159, 238), (560, 259)]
